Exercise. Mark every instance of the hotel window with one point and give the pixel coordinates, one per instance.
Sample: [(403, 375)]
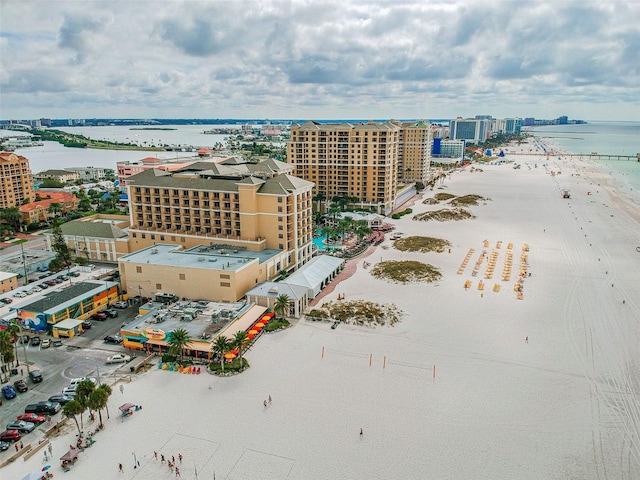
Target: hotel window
[(183, 276), (225, 284), (138, 269), (158, 286)]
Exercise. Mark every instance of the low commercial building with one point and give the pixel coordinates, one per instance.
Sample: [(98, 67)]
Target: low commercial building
[(78, 302), (50, 205), (214, 272), (62, 176), (8, 281), (103, 238)]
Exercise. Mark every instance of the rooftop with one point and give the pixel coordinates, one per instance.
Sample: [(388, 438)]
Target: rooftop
[(212, 257)]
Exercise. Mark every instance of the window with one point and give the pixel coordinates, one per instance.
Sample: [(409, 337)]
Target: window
[(158, 286), (225, 284), (183, 276), (138, 269), (227, 277)]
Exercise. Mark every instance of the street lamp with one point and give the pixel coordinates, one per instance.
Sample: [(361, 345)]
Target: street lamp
[(97, 369)]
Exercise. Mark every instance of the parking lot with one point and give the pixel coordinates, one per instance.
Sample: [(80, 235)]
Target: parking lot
[(81, 356)]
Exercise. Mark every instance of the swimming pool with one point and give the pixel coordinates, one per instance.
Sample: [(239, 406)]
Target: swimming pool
[(321, 246)]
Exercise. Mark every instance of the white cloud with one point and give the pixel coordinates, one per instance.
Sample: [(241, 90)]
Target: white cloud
[(319, 59)]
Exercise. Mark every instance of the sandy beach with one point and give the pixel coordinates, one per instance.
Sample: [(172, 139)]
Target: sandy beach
[(470, 384)]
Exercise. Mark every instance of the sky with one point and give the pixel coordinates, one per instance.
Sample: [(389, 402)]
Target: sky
[(320, 59)]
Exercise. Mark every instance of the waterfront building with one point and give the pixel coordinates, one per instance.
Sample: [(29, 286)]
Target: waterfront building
[(414, 152), (62, 176), (473, 130), (353, 161), (48, 206), (100, 237), (221, 273), (16, 180), (248, 206), (90, 174), (448, 149)]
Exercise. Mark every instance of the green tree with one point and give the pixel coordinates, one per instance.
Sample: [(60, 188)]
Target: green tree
[(107, 391), (83, 391), (71, 410), (11, 216), (97, 401), (281, 305), (59, 245), (51, 183), (240, 341), (178, 340), (55, 208), (13, 329), (220, 346)]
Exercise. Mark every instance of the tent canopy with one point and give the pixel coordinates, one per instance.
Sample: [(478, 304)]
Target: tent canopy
[(71, 455)]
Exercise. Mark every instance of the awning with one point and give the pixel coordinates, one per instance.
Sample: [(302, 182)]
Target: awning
[(127, 406), (136, 338), (199, 346), (245, 321), (161, 343)]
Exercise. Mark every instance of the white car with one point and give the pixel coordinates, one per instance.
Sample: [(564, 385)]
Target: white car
[(46, 343), (118, 358), (19, 294)]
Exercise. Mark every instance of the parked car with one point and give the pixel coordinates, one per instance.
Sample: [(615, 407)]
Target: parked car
[(62, 399), (36, 289), (56, 342), (36, 376), (111, 313), (21, 386), (10, 436), (4, 446), (113, 339), (45, 275), (24, 339), (43, 286), (46, 343), (33, 418), (48, 408), (35, 341), (51, 282), (100, 316), (69, 391), (63, 277), (57, 280), (20, 294), (119, 358), (74, 274), (8, 392), (121, 304), (21, 426), (86, 325), (6, 301)]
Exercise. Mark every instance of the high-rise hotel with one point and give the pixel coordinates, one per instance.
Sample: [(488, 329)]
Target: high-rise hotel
[(16, 180), (360, 161), (248, 206)]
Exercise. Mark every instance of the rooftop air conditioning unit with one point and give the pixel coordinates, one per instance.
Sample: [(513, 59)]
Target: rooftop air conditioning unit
[(154, 251)]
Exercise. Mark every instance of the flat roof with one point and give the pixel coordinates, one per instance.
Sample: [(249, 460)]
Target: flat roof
[(205, 257), (67, 324), (51, 302)]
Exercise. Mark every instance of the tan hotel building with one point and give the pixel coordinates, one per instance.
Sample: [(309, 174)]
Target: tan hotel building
[(252, 208), (16, 180), (363, 161)]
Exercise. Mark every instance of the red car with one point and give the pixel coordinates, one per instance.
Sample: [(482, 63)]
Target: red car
[(33, 418), (10, 436), (100, 316)]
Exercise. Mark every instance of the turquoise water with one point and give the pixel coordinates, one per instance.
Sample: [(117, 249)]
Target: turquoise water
[(613, 138), (319, 243)]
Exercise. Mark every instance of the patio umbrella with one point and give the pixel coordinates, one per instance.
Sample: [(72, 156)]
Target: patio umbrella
[(72, 454), (33, 476), (260, 324), (252, 332), (126, 406), (251, 336), (229, 355)]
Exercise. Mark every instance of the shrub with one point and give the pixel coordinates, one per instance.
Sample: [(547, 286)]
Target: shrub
[(233, 367), (276, 324)]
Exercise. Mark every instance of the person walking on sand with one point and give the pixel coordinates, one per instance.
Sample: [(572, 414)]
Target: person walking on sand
[(161, 458), (526, 339), (173, 459), (180, 457), (120, 468), (265, 404), (361, 433), (178, 472), (269, 399), (155, 454)]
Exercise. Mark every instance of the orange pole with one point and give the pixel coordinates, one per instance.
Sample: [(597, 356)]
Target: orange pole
[(384, 362), (322, 352), (370, 357)]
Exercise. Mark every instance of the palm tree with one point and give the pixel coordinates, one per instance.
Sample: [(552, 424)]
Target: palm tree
[(178, 339), (83, 391), (219, 347), (55, 208), (240, 341), (107, 391), (71, 409), (97, 401), (281, 305), (14, 332)]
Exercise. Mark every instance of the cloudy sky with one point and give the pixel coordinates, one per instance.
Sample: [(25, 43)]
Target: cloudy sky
[(319, 59)]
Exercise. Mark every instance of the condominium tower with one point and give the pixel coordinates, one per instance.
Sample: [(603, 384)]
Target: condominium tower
[(16, 181), (249, 207)]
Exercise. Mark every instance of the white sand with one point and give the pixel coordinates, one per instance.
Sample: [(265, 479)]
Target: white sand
[(564, 405)]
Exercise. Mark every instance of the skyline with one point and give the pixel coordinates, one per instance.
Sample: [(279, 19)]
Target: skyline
[(319, 60)]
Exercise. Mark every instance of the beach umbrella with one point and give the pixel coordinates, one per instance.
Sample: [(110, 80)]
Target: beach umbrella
[(126, 406), (46, 467)]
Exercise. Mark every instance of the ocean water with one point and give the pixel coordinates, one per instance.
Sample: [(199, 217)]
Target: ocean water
[(613, 138)]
